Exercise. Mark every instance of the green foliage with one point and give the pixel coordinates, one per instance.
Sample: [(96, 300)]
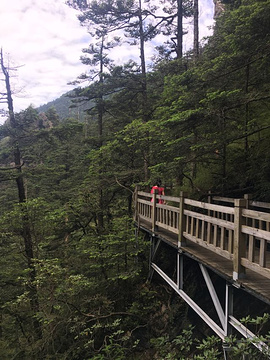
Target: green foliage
[(254, 347), (205, 126), (184, 346), (209, 349)]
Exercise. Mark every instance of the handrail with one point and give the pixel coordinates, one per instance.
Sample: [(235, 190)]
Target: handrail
[(234, 231)]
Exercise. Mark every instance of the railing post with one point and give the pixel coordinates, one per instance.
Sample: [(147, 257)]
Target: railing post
[(251, 238), (239, 248), (209, 199), (182, 221), (154, 211), (136, 203)]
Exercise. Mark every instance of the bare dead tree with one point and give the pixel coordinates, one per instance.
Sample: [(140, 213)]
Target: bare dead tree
[(26, 230)]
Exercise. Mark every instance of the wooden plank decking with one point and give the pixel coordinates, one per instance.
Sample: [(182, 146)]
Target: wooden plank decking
[(253, 282)]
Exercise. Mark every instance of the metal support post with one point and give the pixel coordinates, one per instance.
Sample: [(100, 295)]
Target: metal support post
[(150, 274), (228, 308), (228, 312), (180, 271)]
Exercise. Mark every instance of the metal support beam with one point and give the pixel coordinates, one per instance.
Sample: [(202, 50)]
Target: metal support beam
[(228, 312), (153, 249), (228, 308), (180, 270), (210, 322), (155, 246), (213, 295), (243, 330)]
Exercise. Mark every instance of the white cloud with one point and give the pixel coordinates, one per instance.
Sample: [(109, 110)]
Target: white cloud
[(45, 37)]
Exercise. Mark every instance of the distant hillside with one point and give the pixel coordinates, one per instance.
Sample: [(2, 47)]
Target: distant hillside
[(63, 107)]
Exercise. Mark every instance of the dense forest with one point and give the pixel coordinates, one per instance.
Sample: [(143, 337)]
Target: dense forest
[(73, 270)]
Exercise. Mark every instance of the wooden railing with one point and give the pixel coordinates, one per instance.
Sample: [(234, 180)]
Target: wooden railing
[(237, 229)]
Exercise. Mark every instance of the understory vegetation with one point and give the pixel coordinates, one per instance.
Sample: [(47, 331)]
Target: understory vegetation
[(73, 268)]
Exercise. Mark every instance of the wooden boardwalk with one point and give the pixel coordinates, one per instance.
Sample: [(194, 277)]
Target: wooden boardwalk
[(230, 238)]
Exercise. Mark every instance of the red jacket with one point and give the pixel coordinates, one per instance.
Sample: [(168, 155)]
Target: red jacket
[(160, 191)]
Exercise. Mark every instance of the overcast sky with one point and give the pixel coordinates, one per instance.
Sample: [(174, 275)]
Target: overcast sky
[(44, 38)]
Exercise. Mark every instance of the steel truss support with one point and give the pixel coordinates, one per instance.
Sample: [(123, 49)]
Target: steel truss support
[(227, 320), (216, 328), (155, 243), (213, 295)]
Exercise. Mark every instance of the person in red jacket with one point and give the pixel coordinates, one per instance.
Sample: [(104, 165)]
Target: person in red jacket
[(159, 189)]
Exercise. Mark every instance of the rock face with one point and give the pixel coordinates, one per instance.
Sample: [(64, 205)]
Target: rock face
[(219, 8)]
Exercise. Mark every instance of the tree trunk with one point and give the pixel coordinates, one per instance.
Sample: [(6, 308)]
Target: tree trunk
[(100, 108), (196, 29), (9, 93), (143, 65), (144, 106), (179, 44), (26, 231), (246, 111)]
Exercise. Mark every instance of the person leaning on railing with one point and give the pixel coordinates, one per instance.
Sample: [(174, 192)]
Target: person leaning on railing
[(159, 190)]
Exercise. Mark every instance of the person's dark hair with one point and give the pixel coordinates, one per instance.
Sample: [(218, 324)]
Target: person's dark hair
[(158, 182)]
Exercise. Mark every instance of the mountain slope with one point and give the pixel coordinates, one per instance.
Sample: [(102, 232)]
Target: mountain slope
[(65, 108)]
